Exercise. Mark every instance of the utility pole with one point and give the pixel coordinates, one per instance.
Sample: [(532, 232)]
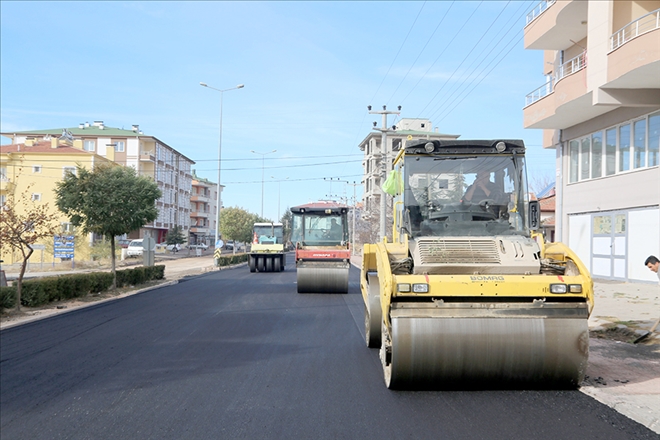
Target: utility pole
[(331, 196), (354, 211), (384, 163)]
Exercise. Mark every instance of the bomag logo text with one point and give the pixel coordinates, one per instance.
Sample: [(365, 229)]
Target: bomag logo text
[(486, 278)]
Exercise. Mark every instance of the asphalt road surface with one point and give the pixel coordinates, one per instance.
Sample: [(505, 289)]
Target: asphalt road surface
[(235, 355)]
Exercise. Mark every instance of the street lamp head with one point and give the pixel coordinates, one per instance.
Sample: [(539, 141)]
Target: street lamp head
[(240, 86), (203, 84)]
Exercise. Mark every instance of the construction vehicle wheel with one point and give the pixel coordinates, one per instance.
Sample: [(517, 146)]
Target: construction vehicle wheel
[(252, 263), (276, 264), (269, 264), (260, 264), (373, 315)]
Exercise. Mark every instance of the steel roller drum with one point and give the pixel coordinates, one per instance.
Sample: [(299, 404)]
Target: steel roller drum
[(319, 278), (487, 345)]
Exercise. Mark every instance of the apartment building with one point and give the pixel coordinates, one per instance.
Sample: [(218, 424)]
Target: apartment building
[(599, 107), (375, 162), (147, 154), (203, 210), (36, 167)]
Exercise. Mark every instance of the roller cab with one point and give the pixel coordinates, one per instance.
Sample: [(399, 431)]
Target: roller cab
[(466, 294), (320, 234)]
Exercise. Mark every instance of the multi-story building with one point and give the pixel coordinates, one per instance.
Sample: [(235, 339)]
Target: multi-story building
[(36, 167), (375, 160), (599, 107), (151, 157), (203, 210)]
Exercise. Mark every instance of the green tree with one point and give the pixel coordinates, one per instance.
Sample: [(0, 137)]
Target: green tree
[(109, 200), (175, 236), (287, 221), (236, 224), (23, 222)]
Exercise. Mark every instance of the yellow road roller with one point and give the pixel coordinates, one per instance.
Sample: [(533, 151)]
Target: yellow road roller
[(467, 293)]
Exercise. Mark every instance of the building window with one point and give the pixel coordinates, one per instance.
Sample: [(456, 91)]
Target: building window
[(89, 145), (654, 140), (624, 147), (610, 152), (3, 200), (639, 129), (36, 168), (596, 154), (71, 170), (584, 158), (120, 146), (3, 174), (573, 147), (36, 197)]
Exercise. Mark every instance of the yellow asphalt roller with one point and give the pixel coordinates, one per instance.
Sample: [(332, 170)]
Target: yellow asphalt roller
[(467, 294)]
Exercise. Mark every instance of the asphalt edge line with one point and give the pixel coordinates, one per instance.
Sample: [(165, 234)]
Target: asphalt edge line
[(84, 306)]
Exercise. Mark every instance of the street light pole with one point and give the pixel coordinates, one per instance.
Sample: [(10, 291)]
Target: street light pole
[(219, 198), (263, 160)]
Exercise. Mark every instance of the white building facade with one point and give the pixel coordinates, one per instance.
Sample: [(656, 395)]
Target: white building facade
[(599, 107)]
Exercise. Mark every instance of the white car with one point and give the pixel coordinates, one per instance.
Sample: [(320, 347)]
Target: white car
[(134, 248), (201, 246)]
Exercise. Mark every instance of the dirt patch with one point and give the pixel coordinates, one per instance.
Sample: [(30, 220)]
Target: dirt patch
[(623, 332)]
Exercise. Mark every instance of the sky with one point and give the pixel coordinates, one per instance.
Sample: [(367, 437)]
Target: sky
[(309, 69)]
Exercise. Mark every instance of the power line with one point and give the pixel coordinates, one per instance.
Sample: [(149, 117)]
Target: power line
[(399, 51), (420, 53)]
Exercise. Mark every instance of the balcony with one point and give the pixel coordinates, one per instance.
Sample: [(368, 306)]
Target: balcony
[(568, 68), (200, 198), (199, 214), (568, 104), (634, 29), (634, 61), (553, 24), (147, 156)]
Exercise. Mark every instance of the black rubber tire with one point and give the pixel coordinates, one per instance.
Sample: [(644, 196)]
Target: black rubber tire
[(269, 264), (260, 264), (252, 263)]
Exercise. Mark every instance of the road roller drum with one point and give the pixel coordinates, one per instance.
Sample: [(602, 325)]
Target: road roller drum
[(486, 345), (322, 277)]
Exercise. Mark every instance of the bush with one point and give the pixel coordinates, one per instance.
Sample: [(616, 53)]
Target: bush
[(228, 260), (40, 291), (7, 297)]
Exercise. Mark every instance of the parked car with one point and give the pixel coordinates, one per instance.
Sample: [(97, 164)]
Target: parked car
[(173, 247), (229, 245), (134, 248), (201, 246), (123, 242)]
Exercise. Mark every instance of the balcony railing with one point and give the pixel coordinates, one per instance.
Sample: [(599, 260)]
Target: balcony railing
[(538, 10), (539, 93), (645, 23), (568, 68), (571, 66)]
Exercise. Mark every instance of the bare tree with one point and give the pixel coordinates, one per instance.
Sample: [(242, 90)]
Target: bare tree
[(22, 228), (539, 182)]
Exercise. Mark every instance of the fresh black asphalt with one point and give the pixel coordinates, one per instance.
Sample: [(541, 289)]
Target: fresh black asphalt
[(239, 355)]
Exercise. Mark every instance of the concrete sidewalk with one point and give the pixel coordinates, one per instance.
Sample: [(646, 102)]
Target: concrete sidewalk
[(621, 375)]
